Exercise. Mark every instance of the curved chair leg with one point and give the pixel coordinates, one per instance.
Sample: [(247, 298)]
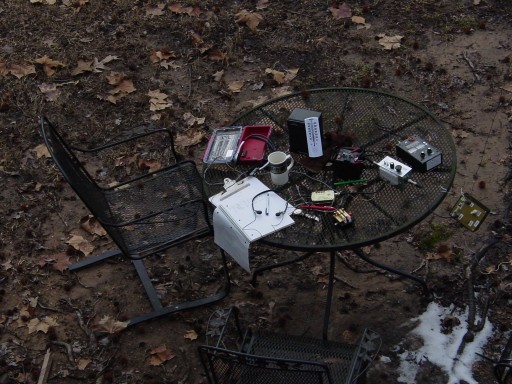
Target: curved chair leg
[(158, 309)]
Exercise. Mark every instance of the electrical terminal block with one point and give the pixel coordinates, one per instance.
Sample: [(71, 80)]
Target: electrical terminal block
[(342, 217)]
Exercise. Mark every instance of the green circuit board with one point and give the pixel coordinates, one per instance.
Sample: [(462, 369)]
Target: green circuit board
[(469, 212)]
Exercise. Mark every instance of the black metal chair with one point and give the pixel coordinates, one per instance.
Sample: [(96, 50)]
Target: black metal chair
[(145, 214), (256, 358)]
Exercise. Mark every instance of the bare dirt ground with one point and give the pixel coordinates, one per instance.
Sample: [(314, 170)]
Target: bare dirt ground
[(96, 67)]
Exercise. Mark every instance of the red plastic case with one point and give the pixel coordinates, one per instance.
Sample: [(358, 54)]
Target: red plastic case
[(252, 150)]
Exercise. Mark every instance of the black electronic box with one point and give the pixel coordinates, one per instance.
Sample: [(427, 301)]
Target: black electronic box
[(347, 163), (419, 154), (297, 129)]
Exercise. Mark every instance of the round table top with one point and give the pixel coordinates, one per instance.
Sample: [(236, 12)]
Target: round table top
[(375, 122)]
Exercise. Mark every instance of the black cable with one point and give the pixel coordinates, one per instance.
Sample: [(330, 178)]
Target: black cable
[(256, 136), (258, 212)]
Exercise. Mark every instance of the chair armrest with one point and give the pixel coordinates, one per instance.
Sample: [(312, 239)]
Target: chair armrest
[(132, 138)]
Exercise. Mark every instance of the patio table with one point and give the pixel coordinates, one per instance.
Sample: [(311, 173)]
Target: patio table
[(374, 122)]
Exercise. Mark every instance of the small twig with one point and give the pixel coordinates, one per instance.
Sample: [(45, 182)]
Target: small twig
[(92, 338), (64, 221), (344, 282), (189, 80), (471, 65), (298, 13), (45, 368), (185, 378), (422, 265), (80, 283), (48, 308), (68, 348)]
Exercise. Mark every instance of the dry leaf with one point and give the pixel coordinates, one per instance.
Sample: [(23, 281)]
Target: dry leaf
[(61, 262), (157, 56), (197, 40), (364, 26), (20, 71), (109, 325), (92, 225), (160, 355), (50, 91), (191, 335), (7, 265), (156, 11), (349, 337), (125, 86), (83, 363), (445, 255), (99, 66), (236, 86), (114, 78), (4, 70), (42, 151), (49, 66), (150, 165), (283, 77), (80, 244), (167, 64), (445, 252), (81, 67), (358, 20), (262, 4), (178, 8), (191, 120), (190, 137), (41, 325), (217, 76), (217, 55), (158, 100), (32, 301), (320, 275), (251, 19), (389, 42), (341, 12), (459, 134), (507, 87)]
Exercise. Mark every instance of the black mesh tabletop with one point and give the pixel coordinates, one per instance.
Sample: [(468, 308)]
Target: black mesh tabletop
[(373, 121)]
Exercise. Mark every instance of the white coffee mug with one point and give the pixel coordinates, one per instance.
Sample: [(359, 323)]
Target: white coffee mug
[(278, 169)]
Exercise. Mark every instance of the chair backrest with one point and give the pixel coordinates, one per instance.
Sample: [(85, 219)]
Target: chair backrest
[(78, 177), (230, 367)]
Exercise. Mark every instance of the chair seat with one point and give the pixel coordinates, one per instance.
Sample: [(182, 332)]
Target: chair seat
[(171, 197), (338, 356)]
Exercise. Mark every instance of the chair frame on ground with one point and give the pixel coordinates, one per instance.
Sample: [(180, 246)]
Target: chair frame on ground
[(244, 357), (141, 215)]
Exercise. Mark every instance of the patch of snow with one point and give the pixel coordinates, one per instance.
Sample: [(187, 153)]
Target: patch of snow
[(441, 349)]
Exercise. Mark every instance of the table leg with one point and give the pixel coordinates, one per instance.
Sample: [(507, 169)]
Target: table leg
[(330, 288), (365, 257)]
